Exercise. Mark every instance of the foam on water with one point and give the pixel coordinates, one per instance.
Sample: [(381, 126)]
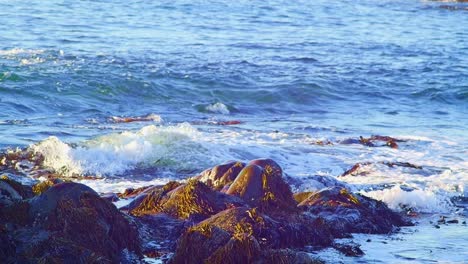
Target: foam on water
[(424, 201), (176, 147), (183, 147), (119, 186), (218, 108), (20, 51)]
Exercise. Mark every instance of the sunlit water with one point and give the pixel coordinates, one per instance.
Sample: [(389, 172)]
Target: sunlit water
[(293, 73)]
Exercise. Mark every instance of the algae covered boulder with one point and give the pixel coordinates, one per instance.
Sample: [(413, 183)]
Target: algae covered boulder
[(221, 175), (198, 243), (234, 237), (347, 212), (68, 223), (261, 184), (193, 200), (273, 231), (209, 244)]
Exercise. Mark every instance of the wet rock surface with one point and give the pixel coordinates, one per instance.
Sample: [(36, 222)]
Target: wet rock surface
[(67, 223), (352, 213), (231, 213)]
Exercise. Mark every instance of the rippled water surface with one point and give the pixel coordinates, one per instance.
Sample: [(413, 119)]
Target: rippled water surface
[(203, 82)]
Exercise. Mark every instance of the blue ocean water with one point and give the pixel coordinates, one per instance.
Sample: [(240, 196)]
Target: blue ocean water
[(394, 64), (288, 73)]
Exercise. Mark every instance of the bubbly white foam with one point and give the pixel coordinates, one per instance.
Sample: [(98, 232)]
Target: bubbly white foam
[(120, 185), (182, 147), (20, 51), (176, 147), (218, 108), (425, 201)]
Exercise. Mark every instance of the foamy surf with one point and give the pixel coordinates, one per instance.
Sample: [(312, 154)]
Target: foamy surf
[(185, 150), (175, 147), (217, 108)]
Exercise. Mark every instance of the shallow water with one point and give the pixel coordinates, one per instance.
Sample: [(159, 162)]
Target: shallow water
[(292, 75)]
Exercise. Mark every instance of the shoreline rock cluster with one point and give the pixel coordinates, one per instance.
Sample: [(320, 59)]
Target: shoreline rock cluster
[(232, 213)]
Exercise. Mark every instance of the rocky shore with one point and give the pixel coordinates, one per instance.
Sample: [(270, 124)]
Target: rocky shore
[(231, 213)]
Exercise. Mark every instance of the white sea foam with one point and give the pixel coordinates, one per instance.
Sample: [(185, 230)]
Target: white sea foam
[(185, 148), (120, 185), (32, 61), (425, 201), (176, 147), (218, 108), (20, 51)]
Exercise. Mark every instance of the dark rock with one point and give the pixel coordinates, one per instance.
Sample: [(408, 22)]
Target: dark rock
[(160, 228), (352, 213), (242, 235), (441, 220), (279, 231), (218, 176), (131, 192), (281, 256), (454, 221), (261, 185), (199, 243), (374, 141), (11, 190), (7, 247), (70, 223), (111, 197), (350, 250), (239, 249)]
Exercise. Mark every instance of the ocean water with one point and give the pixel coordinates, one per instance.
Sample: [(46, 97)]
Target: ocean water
[(141, 92)]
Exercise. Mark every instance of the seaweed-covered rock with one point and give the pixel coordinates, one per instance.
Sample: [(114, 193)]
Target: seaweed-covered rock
[(278, 231), (261, 184), (282, 256), (347, 212), (221, 175), (242, 235), (68, 223), (242, 248), (149, 200), (43, 186), (209, 244), (199, 243), (192, 200)]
